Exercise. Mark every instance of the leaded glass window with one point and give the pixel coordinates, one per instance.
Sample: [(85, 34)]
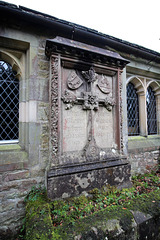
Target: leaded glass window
[(151, 112), (9, 103), (132, 110)]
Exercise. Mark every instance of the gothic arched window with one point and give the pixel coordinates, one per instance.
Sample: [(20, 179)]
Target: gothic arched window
[(9, 103), (151, 111), (132, 110)]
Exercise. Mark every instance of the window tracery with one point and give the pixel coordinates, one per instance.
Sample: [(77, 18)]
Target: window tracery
[(9, 103), (143, 96), (151, 111), (132, 110)]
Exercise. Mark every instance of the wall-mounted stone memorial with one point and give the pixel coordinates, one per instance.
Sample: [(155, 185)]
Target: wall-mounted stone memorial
[(85, 119)]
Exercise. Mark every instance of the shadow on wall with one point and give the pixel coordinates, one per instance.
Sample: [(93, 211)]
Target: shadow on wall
[(158, 160)]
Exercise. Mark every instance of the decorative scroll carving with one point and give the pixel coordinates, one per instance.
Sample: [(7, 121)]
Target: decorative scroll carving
[(74, 81), (69, 98), (104, 85), (120, 112), (54, 105)]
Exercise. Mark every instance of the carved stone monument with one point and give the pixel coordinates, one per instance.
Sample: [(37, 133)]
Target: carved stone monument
[(85, 119)]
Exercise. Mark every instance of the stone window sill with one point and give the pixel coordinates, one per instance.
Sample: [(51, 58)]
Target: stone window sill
[(151, 142), (12, 153), (8, 147)]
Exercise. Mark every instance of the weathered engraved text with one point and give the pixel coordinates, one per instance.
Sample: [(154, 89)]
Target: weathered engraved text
[(74, 129), (103, 128)]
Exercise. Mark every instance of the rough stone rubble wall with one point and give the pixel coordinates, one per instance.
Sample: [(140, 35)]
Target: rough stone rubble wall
[(142, 162)]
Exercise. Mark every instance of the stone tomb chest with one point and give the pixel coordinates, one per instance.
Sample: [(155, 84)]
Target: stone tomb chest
[(85, 119)]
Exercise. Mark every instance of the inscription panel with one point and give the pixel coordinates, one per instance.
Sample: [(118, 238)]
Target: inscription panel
[(74, 129), (86, 112), (103, 128)]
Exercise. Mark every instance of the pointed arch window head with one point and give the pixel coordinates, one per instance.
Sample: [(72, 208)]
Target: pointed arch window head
[(132, 110), (9, 103), (151, 111)]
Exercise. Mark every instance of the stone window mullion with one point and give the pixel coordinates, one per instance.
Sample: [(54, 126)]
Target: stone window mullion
[(142, 114)]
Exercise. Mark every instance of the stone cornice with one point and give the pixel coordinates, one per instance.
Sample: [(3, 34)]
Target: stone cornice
[(67, 47)]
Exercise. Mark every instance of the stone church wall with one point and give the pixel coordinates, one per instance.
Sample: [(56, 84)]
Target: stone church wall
[(24, 165)]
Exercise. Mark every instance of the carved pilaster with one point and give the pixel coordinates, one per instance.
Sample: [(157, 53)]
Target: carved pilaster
[(120, 112), (54, 106)]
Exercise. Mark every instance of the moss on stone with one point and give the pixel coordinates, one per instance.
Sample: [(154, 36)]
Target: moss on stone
[(111, 221), (38, 221), (12, 153), (135, 138), (115, 222), (7, 147), (38, 217), (147, 203)]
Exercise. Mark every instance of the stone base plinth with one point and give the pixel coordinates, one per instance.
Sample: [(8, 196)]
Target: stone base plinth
[(73, 180)]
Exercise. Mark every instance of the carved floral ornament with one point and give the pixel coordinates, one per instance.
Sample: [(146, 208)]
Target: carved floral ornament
[(88, 99), (90, 75)]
